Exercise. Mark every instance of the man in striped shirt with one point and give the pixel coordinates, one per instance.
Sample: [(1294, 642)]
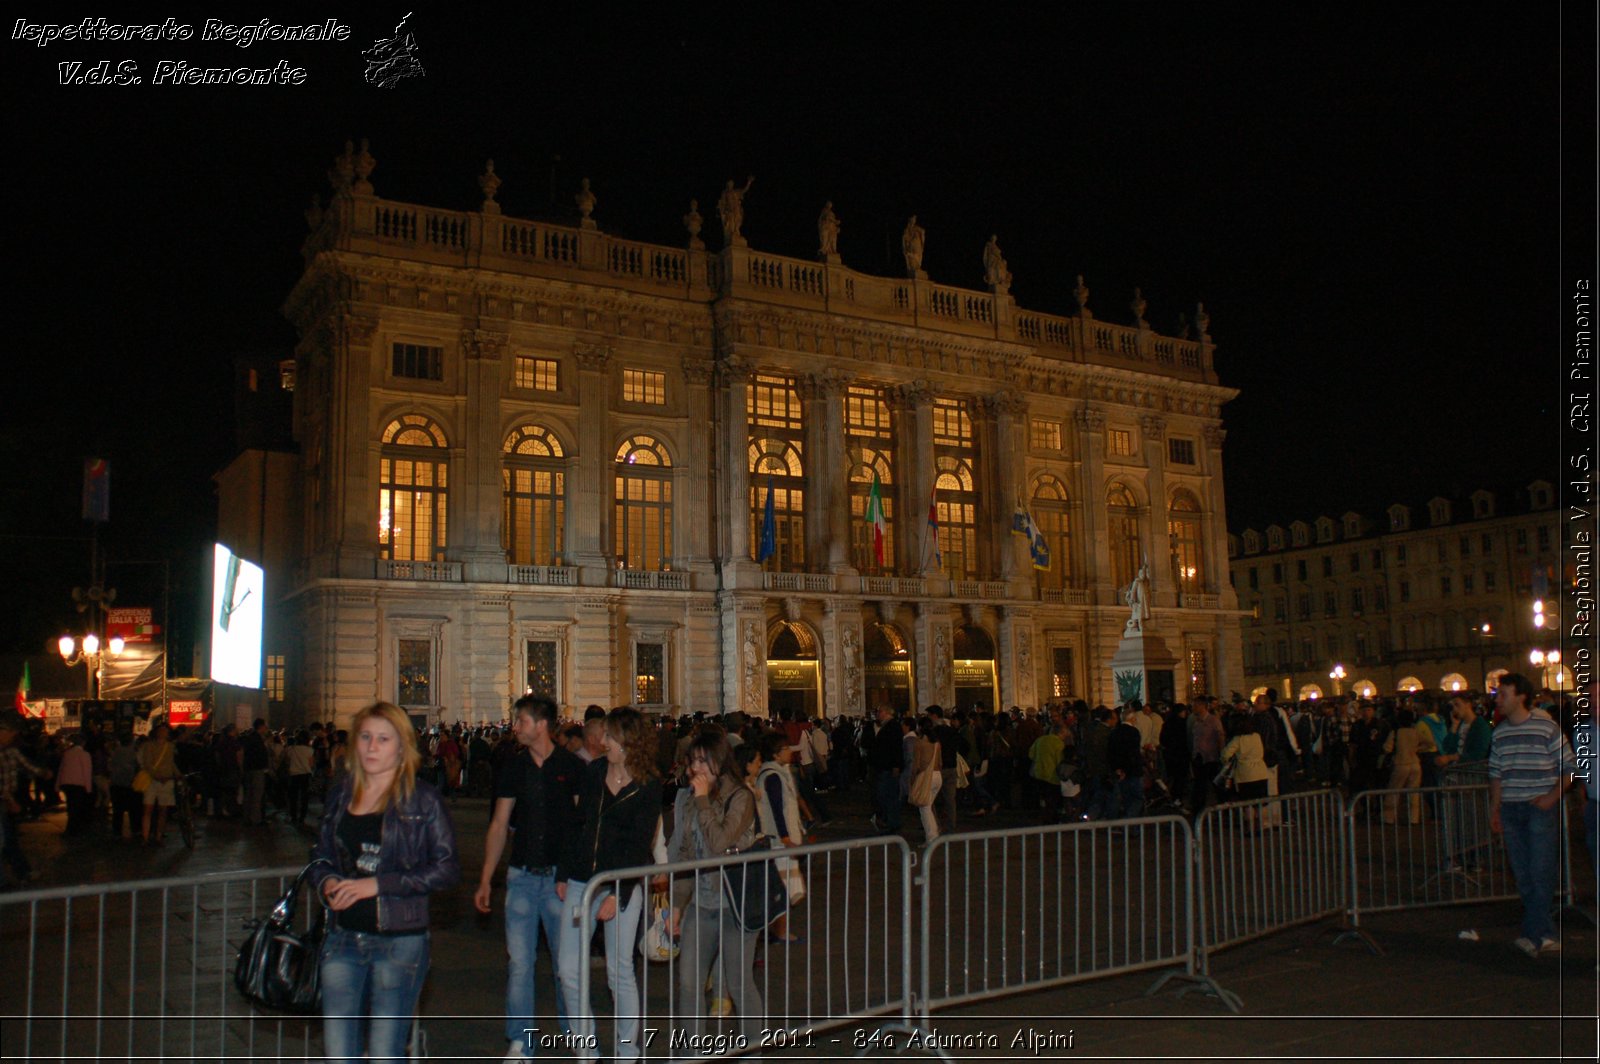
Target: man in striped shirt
[(1530, 765)]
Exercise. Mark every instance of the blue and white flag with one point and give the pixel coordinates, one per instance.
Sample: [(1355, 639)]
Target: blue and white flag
[(1022, 524)]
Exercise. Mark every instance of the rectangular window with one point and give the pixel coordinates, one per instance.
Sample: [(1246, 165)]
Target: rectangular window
[(1486, 541), (1283, 654), (1361, 646), (1542, 537), (1439, 552), (952, 425), (1377, 558), (1380, 598), (1444, 585), (643, 386), (649, 674), (1061, 672), (1466, 583), (1400, 554), (1327, 565), (1405, 591), (275, 677), (1308, 651), (1280, 610), (1488, 580), (1330, 603), (1358, 600), (1199, 675), (1300, 570), (1522, 540), (1304, 604), (1180, 451), (1044, 435), (1119, 442), (414, 660), (539, 374), (542, 670), (418, 362), (1466, 546), (1277, 572), (1255, 581), (1355, 561)]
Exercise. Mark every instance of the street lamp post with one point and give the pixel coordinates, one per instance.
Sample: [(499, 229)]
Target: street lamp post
[(91, 656), (1337, 676)]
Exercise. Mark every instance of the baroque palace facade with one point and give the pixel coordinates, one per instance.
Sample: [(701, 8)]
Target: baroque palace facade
[(539, 457)]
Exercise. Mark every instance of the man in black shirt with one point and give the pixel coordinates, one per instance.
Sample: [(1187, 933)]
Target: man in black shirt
[(255, 762), (885, 757), (537, 794)]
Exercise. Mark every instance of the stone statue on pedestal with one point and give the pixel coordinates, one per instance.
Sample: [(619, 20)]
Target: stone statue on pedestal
[(730, 208), (912, 242), (585, 199), (827, 232), (692, 222), (995, 274), (1139, 599)]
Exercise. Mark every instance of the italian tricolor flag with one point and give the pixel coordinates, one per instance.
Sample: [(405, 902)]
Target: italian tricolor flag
[(876, 518), (24, 685)]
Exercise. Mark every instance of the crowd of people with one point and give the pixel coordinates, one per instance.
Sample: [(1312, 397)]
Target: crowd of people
[(571, 799)]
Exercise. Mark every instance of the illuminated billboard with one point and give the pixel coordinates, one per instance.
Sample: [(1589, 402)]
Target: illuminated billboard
[(238, 590)]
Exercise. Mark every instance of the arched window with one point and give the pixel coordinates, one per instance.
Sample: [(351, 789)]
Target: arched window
[(1122, 527), (775, 466), (866, 461), (956, 504), (1188, 554), (643, 516), (1310, 692), (1453, 682), (1052, 512), (413, 490), (1410, 683), (534, 509)]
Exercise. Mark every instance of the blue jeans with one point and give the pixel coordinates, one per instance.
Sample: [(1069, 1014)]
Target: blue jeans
[(370, 981), (531, 902), (621, 934), (1129, 798), (1532, 835), (886, 797)]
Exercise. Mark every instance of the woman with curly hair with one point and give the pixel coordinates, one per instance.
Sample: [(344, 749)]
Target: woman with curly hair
[(385, 844), (620, 806)]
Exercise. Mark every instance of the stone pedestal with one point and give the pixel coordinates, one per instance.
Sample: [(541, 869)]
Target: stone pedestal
[(1143, 668)]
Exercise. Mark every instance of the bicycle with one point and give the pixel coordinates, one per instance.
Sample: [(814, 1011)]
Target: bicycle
[(183, 809)]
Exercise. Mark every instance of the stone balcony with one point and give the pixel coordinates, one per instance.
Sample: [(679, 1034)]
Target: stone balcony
[(367, 225)]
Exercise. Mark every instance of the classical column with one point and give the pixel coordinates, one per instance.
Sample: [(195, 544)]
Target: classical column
[(834, 472), (1096, 547), (1163, 581), (476, 490), (353, 448), (1010, 450), (694, 537), (739, 565), (589, 515), (915, 465), (819, 472), (1216, 518)]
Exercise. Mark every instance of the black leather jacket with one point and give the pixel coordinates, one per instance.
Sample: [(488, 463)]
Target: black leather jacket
[(417, 855)]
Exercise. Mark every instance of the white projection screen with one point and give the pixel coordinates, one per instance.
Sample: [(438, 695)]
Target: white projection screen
[(238, 590)]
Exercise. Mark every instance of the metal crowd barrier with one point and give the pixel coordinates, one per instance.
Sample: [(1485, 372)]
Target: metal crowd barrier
[(854, 959), (1266, 865), (141, 971), (1422, 847), (1028, 908)]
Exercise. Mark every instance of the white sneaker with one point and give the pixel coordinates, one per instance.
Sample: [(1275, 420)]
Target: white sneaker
[(1526, 946), (515, 1051), (1550, 945)]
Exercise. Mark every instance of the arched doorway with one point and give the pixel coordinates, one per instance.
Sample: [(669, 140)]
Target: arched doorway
[(1410, 683), (1310, 692), (886, 662), (1453, 683), (793, 680), (973, 668), (1365, 689)]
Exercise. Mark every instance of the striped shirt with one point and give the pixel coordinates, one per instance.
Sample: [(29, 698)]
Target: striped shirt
[(1528, 758)]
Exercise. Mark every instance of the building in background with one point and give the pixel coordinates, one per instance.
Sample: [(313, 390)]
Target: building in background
[(1445, 594), (539, 457)]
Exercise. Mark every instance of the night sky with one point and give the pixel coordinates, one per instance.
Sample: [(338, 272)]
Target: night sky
[(1365, 197)]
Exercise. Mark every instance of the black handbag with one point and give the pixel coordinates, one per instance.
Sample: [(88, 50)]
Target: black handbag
[(279, 968), (754, 890)]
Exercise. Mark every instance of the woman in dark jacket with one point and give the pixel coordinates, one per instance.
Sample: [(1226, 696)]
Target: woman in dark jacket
[(620, 806), (385, 844)]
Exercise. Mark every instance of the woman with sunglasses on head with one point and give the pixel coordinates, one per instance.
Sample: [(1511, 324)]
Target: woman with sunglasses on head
[(620, 806), (386, 843), (715, 813)]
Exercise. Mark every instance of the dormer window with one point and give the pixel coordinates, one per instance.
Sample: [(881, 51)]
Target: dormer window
[(1352, 526), (1539, 495), (1252, 541), (1439, 512), (1482, 504), (1399, 518), (1324, 530), (1275, 538), (1301, 534)]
